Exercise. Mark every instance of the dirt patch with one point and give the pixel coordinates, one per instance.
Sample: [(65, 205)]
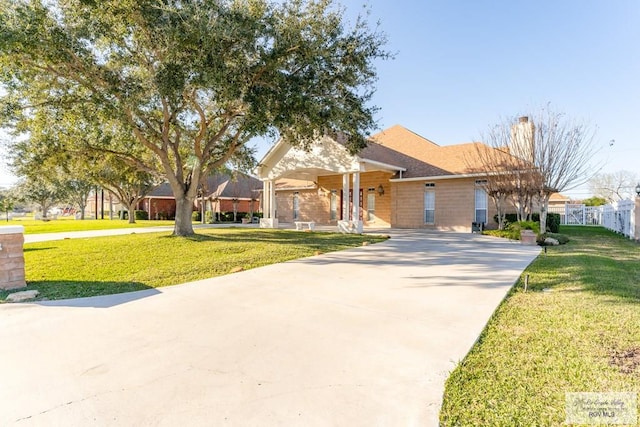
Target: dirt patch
[(626, 360)]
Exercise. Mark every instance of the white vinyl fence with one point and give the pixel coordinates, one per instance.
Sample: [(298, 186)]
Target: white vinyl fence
[(618, 216)]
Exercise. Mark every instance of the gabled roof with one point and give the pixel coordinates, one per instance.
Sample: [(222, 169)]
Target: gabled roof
[(401, 139), (397, 150), (557, 197), (412, 165), (422, 157), (221, 185)]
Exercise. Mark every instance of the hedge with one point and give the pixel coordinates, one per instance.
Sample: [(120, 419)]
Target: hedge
[(138, 215), (553, 220)]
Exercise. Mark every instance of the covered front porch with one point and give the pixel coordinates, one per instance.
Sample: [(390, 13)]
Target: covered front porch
[(325, 185)]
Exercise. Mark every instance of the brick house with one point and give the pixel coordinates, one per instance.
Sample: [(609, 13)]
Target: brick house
[(222, 192), (400, 180)]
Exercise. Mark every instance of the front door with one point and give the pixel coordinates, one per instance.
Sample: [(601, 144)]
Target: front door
[(360, 202)]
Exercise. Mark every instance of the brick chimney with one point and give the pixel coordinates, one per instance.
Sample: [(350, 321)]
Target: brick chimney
[(522, 139)]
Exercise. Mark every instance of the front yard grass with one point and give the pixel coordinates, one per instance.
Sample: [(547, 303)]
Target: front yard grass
[(32, 226), (577, 329), (108, 265)]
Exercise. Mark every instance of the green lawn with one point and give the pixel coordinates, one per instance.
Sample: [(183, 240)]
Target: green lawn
[(32, 226), (577, 329), (108, 265)]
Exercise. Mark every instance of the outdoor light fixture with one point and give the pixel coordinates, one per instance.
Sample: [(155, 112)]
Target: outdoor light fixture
[(638, 189), (380, 190)]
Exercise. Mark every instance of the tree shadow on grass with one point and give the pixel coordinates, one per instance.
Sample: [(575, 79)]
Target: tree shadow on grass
[(194, 237), (606, 276), (95, 294), (275, 236), (600, 273), (39, 249)]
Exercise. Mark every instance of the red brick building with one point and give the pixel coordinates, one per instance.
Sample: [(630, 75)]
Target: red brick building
[(236, 192)]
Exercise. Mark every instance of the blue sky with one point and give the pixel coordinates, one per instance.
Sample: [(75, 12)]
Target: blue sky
[(464, 65)]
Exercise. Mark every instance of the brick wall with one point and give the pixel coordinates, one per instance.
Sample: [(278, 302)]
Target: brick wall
[(158, 208), (316, 207), (454, 204), (12, 258), (401, 205), (226, 205)]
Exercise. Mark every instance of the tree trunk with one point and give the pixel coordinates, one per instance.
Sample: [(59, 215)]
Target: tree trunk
[(544, 207), (184, 210), (131, 211), (45, 207), (82, 209)]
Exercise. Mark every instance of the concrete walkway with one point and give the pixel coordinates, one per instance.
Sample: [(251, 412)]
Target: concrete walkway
[(63, 235), (357, 338)]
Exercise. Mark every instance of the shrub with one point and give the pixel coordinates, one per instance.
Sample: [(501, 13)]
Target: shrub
[(196, 216), (208, 217), (513, 230), (499, 233), (226, 216), (141, 215), (553, 220), (561, 238), (524, 225)]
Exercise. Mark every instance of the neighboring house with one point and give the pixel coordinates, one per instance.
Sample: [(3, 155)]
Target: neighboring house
[(236, 192), (400, 179), (558, 200)]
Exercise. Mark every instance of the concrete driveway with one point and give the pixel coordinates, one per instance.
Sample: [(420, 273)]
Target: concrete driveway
[(364, 337)]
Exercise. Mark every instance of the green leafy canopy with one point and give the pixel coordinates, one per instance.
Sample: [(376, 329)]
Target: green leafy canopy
[(189, 81)]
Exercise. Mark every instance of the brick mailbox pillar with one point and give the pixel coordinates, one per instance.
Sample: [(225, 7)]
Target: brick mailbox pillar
[(11, 257)]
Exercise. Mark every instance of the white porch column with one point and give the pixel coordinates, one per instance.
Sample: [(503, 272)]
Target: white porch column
[(265, 198), (269, 219), (350, 217), (272, 200), (345, 198), (355, 217)]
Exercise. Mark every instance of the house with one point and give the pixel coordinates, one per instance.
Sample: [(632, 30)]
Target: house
[(399, 180), (222, 192), (558, 200)]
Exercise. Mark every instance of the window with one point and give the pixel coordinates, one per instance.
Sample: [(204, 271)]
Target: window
[(429, 207), (481, 205), (296, 206), (333, 205), (371, 204)]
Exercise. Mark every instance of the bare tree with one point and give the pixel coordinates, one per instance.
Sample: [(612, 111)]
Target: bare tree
[(613, 186), (562, 151), (534, 157), (510, 178)]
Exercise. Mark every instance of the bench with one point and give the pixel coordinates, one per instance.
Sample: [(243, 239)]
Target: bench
[(300, 225)]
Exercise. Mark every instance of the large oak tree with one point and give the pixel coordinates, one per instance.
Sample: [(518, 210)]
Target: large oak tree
[(192, 81)]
